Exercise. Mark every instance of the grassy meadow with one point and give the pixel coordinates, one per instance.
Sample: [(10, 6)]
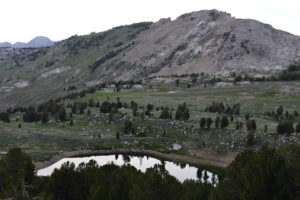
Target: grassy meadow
[(95, 131)]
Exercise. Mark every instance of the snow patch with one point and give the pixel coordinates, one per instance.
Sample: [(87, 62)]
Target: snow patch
[(21, 84), (223, 84), (137, 86)]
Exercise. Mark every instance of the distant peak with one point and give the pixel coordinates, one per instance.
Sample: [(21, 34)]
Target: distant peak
[(5, 45), (37, 42)]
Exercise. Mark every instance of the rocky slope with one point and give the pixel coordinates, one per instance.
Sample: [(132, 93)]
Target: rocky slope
[(213, 42), (207, 41)]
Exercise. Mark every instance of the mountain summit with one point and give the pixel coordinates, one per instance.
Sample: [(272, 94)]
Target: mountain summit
[(36, 42)]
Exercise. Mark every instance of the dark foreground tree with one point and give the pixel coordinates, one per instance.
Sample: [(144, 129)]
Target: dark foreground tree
[(266, 174), (16, 173), (111, 182)]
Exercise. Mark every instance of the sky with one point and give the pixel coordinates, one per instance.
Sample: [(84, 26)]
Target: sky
[(22, 20)]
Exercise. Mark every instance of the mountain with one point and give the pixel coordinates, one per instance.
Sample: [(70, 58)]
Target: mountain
[(5, 45), (40, 42), (212, 42), (207, 41), (36, 42), (20, 45)]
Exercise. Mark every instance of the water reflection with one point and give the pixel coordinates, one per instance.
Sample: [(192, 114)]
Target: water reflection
[(181, 171), (126, 159)]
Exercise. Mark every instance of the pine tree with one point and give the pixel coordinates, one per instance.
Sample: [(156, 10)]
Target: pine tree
[(297, 127), (208, 122), (251, 125), (202, 122), (165, 114), (285, 127), (45, 118), (224, 122)]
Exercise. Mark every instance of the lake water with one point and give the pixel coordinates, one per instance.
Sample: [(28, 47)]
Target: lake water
[(181, 171)]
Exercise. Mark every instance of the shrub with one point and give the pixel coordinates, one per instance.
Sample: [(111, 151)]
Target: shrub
[(165, 114), (285, 127), (128, 127), (182, 112), (251, 125), (202, 122), (105, 107)]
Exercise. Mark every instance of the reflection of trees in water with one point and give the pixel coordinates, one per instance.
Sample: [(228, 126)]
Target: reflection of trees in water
[(126, 159), (116, 156), (205, 176), (213, 179), (199, 173), (182, 165), (141, 160), (202, 174)]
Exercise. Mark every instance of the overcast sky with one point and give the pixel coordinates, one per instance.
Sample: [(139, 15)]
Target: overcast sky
[(22, 20)]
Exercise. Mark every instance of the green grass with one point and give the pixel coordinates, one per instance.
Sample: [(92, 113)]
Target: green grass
[(265, 95)]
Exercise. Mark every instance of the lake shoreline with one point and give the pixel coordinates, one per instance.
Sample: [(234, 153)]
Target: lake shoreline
[(197, 162)]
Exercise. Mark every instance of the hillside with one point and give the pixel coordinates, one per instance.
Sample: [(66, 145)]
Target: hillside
[(207, 41)]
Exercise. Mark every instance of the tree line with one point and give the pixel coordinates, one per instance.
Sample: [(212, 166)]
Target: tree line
[(263, 174)]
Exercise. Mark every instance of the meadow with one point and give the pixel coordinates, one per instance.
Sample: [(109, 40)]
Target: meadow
[(97, 131)]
